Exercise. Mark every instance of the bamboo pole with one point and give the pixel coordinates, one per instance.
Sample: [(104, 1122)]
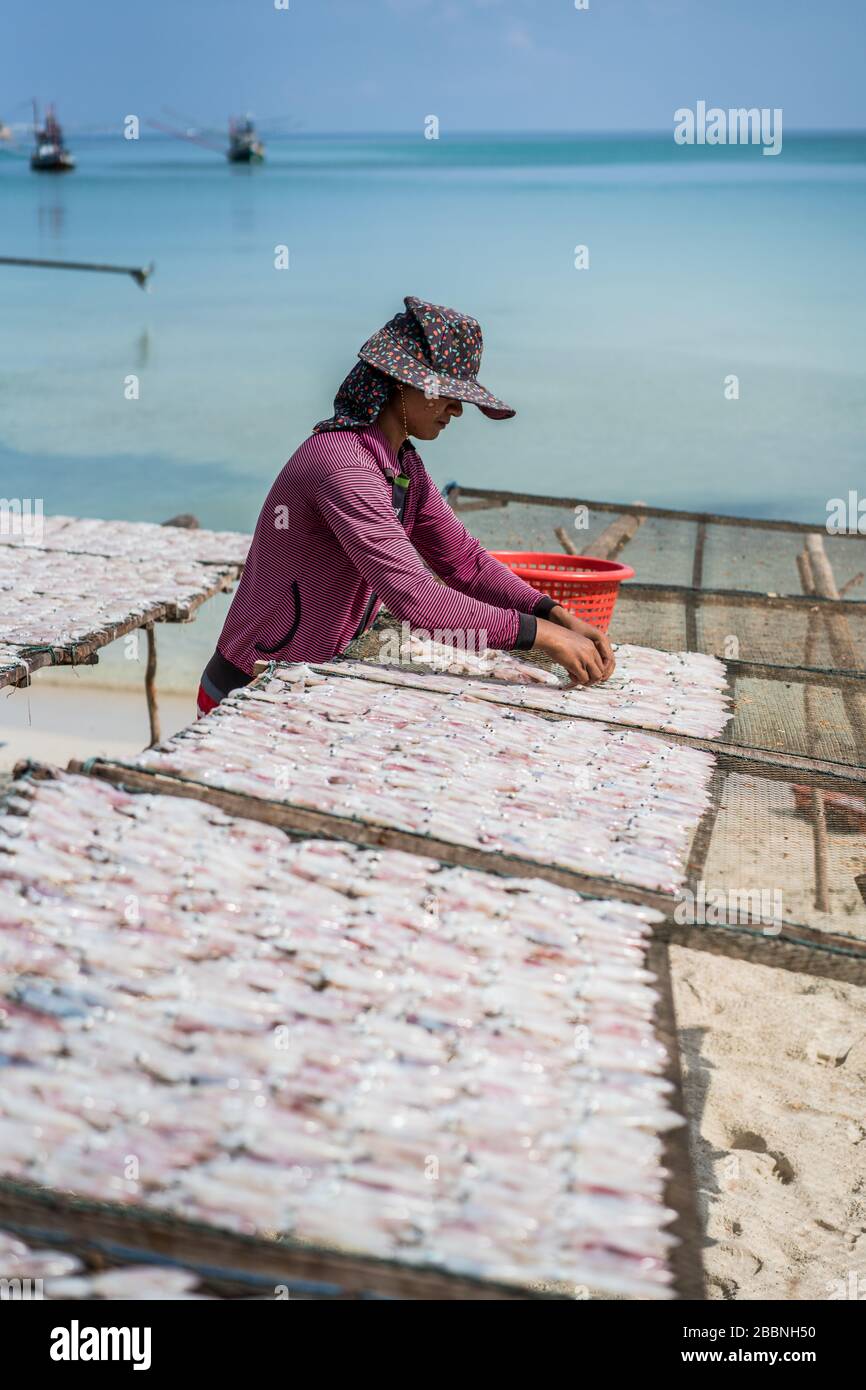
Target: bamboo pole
[(820, 570), (819, 835), (799, 675), (150, 687), (609, 542), (691, 614), (502, 496), (811, 717), (452, 492), (799, 949), (140, 274), (109, 1233), (739, 598), (842, 646)]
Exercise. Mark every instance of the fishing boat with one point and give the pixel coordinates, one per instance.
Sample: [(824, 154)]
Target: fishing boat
[(244, 145), (50, 155)]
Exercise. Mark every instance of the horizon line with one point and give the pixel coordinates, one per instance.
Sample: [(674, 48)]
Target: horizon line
[(662, 131)]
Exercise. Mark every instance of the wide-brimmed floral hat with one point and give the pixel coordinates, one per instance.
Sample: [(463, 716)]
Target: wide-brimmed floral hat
[(438, 350)]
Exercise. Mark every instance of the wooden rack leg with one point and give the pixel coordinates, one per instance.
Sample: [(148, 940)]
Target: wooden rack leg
[(691, 613), (150, 687), (819, 816), (842, 645), (819, 833)]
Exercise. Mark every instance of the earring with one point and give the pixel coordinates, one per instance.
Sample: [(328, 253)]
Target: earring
[(403, 404)]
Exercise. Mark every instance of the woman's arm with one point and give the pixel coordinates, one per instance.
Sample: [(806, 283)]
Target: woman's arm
[(458, 558), (353, 502)]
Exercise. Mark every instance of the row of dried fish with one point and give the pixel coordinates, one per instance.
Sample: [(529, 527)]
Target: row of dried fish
[(52, 599), (450, 767), (417, 649), (681, 692), (133, 540), (355, 1048), (34, 1273)]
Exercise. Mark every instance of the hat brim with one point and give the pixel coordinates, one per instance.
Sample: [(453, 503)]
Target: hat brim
[(399, 364)]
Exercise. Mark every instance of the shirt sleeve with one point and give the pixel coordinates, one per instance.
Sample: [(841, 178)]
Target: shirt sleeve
[(458, 558), (355, 504)]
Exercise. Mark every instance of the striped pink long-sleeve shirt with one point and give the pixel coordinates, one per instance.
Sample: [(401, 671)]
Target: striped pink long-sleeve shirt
[(328, 537)]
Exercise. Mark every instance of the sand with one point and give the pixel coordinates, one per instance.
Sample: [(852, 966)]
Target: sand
[(774, 1070), (62, 716), (774, 1062)]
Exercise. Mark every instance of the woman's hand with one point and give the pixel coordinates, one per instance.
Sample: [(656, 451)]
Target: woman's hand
[(583, 650), (602, 645)]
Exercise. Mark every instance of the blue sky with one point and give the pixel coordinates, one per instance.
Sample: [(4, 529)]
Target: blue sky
[(361, 65)]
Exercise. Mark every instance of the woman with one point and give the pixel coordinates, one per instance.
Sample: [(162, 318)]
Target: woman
[(354, 516)]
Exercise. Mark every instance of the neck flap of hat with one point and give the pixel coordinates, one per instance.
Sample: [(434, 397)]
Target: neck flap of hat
[(359, 400)]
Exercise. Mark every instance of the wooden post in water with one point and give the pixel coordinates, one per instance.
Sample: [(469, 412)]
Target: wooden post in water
[(140, 274)]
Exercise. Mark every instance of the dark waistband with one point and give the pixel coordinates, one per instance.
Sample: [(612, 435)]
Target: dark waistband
[(223, 675)]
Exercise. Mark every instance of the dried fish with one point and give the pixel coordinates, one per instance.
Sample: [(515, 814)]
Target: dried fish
[(381, 1054), (448, 766), (55, 598), (683, 692), (133, 540)]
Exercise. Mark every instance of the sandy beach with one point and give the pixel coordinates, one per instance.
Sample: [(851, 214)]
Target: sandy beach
[(62, 716), (774, 1068)]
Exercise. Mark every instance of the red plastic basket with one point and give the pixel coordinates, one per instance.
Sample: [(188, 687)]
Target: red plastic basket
[(584, 585)]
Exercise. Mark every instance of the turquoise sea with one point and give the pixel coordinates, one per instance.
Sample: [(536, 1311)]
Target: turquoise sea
[(702, 263)]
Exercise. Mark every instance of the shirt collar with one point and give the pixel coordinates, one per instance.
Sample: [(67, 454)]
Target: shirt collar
[(392, 462)]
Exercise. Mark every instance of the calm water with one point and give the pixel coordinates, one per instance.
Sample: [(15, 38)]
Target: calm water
[(703, 263)]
